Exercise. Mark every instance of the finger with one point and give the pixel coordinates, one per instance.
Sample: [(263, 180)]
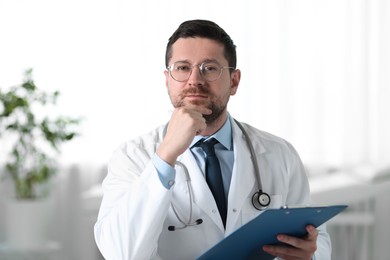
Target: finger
[(312, 232), (290, 240), (283, 252)]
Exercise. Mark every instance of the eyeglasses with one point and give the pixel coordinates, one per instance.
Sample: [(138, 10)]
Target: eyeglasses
[(210, 71)]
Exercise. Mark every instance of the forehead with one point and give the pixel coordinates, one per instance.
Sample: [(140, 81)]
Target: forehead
[(197, 50)]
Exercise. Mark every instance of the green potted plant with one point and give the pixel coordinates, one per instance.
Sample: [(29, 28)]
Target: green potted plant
[(30, 141)]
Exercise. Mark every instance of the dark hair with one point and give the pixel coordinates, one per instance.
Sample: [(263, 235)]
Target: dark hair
[(203, 29)]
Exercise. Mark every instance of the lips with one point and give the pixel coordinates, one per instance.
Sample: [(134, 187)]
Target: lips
[(196, 96)]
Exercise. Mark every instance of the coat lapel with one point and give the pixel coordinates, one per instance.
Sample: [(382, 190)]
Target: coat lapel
[(243, 182)]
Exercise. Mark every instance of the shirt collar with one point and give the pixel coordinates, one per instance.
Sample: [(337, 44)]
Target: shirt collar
[(223, 135)]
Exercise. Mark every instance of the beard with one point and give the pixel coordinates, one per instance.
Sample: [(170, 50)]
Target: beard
[(216, 108), (215, 114)]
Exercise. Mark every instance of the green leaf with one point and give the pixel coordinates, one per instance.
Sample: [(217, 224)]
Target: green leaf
[(29, 85)]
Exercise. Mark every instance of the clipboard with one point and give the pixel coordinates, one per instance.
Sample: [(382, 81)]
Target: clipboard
[(247, 241)]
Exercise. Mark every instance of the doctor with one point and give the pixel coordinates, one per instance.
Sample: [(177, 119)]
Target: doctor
[(157, 203)]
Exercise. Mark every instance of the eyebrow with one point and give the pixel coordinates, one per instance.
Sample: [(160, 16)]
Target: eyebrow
[(186, 61), (203, 61)]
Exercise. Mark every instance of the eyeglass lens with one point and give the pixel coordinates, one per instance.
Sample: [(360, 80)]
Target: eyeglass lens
[(181, 71)]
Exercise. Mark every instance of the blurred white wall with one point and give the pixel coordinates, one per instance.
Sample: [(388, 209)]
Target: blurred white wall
[(314, 72)]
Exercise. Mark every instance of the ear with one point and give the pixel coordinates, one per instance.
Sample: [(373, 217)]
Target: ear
[(234, 81)]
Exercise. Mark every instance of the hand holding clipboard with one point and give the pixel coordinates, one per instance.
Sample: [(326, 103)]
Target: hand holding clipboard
[(247, 241)]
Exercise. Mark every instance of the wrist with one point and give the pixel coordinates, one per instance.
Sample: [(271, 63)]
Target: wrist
[(166, 156)]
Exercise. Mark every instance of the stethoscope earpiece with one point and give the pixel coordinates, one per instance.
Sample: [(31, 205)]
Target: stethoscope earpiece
[(261, 200)]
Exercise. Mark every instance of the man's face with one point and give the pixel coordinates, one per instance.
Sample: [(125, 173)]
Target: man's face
[(196, 90)]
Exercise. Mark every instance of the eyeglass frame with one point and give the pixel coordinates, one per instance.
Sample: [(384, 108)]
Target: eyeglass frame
[(201, 68)]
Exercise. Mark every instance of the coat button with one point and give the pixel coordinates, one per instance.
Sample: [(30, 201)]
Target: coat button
[(214, 211)]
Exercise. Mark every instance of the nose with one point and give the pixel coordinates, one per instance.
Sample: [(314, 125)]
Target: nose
[(196, 77)]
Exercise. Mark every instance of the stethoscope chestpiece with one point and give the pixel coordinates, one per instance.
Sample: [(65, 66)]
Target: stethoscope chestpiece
[(261, 200)]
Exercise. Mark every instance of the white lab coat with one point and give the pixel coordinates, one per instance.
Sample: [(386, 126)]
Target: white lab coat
[(135, 212)]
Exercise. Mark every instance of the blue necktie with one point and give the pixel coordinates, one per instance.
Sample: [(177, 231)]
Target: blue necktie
[(214, 177)]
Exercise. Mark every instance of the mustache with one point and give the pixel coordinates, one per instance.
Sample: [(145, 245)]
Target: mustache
[(197, 91)]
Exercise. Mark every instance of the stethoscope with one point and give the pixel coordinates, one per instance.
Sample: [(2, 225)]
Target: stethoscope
[(260, 199)]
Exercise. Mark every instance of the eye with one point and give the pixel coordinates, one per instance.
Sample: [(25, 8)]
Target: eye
[(210, 67), (182, 67)]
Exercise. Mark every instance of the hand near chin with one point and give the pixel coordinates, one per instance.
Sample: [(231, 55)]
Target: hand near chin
[(186, 122), (298, 249)]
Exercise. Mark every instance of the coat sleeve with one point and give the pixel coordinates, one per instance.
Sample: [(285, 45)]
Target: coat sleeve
[(301, 196), (134, 206)]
